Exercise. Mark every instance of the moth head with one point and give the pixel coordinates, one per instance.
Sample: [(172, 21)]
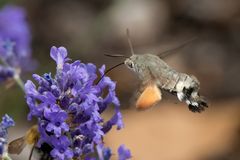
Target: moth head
[(131, 62)]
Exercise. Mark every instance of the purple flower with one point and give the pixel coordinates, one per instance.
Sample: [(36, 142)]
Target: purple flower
[(1, 147), (115, 120), (69, 105), (104, 153), (59, 55), (5, 73), (14, 32), (7, 121), (57, 123), (4, 125), (61, 149), (15, 38), (107, 153), (123, 153)]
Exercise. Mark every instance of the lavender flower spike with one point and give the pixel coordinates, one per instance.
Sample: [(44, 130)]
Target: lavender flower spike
[(15, 38), (68, 107), (14, 34), (4, 125)]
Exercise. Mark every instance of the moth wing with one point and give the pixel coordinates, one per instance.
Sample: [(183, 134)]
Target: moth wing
[(150, 96), (17, 145)]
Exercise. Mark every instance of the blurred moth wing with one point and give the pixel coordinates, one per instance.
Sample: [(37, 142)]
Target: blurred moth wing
[(30, 138), (17, 145), (150, 96)]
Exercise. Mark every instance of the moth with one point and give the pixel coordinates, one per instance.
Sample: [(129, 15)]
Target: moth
[(156, 75), (31, 137)]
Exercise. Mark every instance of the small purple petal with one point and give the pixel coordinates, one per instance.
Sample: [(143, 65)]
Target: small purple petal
[(7, 121), (123, 153), (59, 56), (30, 89)]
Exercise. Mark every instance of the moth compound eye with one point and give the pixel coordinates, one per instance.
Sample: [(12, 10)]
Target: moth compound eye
[(131, 65)]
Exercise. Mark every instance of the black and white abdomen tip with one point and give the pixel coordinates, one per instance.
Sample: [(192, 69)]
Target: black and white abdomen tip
[(188, 91), (195, 102)]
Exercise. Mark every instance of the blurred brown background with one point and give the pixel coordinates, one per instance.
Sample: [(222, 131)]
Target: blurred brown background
[(168, 131)]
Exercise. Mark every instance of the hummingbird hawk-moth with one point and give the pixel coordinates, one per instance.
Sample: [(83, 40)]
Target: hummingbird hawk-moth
[(157, 75)]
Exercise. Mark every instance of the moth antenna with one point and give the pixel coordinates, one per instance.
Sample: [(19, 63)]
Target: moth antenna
[(115, 55), (108, 70), (129, 41), (171, 50)]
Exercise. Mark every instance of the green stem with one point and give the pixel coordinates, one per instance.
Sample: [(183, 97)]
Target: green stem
[(19, 81), (16, 76)]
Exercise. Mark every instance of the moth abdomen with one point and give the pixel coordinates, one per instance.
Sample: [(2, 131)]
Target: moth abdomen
[(187, 90), (197, 103), (153, 70)]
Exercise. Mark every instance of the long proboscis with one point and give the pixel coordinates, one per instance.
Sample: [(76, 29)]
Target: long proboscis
[(108, 70), (171, 50)]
